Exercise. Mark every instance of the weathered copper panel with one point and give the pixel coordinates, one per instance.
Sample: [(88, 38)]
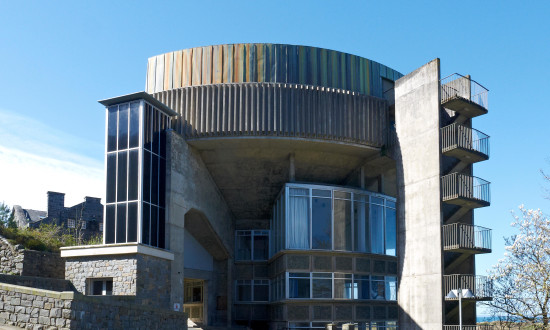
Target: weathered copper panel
[(177, 69), (197, 67), (206, 78), (187, 70), (151, 69), (168, 71), (217, 65)]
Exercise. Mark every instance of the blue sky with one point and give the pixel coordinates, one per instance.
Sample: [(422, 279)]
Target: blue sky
[(57, 58)]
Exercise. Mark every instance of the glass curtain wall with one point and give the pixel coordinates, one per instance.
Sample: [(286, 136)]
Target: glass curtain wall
[(135, 174), (333, 218)]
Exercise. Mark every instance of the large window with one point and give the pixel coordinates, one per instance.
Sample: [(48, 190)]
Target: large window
[(339, 286), (251, 244), (252, 290), (332, 218), (135, 176), (375, 325)]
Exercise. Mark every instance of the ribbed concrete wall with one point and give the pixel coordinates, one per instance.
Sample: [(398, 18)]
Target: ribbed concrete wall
[(275, 63), (287, 110)]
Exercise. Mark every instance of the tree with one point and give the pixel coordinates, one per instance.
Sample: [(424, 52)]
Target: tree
[(522, 278), (5, 214)]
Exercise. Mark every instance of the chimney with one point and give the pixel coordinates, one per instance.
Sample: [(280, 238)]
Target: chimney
[(56, 204)]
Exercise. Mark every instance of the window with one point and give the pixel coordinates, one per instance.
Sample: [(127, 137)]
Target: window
[(344, 287), (252, 244), (192, 292), (71, 223), (100, 286), (391, 288), (252, 290), (298, 285), (321, 285), (314, 217), (101, 226), (82, 224), (378, 288)]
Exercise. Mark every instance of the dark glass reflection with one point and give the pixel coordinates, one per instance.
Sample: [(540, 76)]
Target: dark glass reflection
[(342, 224), (133, 177), (132, 221), (154, 179), (391, 232), (112, 128), (121, 223), (377, 228), (109, 230), (146, 223), (123, 126), (162, 229), (111, 178), (146, 176), (321, 223), (154, 225), (122, 170), (155, 146), (134, 124)]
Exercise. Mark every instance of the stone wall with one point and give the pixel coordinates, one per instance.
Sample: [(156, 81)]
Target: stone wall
[(40, 309), (16, 260), (145, 277)]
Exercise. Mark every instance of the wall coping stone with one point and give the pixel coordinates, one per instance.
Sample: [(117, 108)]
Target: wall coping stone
[(114, 249)]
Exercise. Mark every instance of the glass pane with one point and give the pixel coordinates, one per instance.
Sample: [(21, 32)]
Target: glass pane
[(244, 292), (363, 287), (123, 126), (298, 223), (298, 192), (391, 232), (321, 224), (155, 146), (322, 288), (243, 246), (342, 224), (133, 177), (111, 178), (112, 127), (377, 228), (146, 223), (146, 176), (378, 288), (134, 124), (391, 288), (109, 287), (342, 195), (343, 287), (162, 228), (97, 288), (122, 170), (298, 288), (109, 230), (154, 225), (162, 147), (147, 127), (154, 179), (132, 221), (162, 182), (321, 193), (361, 226), (121, 223), (261, 292), (260, 247)]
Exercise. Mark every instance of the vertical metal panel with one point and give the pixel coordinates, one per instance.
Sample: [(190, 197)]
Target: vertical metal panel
[(227, 54), (217, 64), (151, 70), (197, 66), (261, 63), (206, 77), (238, 61), (168, 59), (177, 69), (159, 74), (187, 69)]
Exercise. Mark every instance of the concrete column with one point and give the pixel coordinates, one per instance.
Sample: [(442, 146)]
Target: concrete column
[(292, 168), (417, 115)]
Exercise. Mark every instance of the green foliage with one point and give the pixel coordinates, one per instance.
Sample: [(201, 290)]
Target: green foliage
[(49, 237), (5, 214)]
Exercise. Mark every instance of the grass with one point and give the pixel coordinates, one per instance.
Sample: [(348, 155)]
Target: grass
[(48, 237)]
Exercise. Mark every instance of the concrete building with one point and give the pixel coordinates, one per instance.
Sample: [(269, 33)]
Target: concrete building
[(288, 187), (86, 218)]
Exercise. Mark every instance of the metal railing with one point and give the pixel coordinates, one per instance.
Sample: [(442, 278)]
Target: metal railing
[(457, 85), (458, 185), (460, 136), (480, 286), (464, 236), (468, 327)]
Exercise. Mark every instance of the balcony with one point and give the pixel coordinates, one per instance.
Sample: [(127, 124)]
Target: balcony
[(480, 286), (464, 190), (468, 327), (464, 238), (464, 95), (464, 143)]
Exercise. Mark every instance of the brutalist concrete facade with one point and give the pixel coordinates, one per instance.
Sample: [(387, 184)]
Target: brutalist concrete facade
[(294, 187)]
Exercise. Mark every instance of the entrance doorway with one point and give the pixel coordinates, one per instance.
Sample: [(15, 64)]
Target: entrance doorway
[(193, 300)]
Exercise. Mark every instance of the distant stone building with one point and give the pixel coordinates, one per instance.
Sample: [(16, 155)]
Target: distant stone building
[(85, 218)]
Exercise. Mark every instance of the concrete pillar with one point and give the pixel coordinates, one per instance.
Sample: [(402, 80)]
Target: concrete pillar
[(292, 168), (420, 255)]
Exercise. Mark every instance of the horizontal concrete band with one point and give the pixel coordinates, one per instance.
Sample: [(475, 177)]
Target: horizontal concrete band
[(288, 110), (262, 62), (114, 249)]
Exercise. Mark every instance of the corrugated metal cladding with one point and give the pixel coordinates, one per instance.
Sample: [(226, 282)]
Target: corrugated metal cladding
[(267, 109), (273, 63)]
